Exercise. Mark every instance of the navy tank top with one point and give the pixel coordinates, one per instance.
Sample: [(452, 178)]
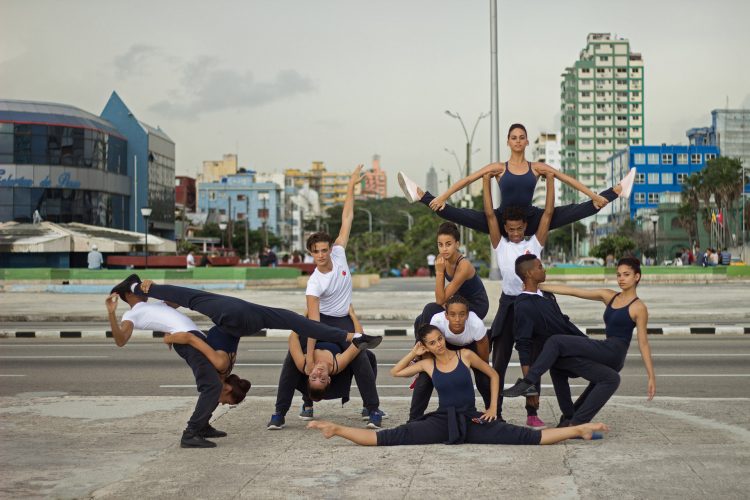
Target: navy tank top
[(618, 323), (454, 388), (517, 190), (472, 288), (219, 340)]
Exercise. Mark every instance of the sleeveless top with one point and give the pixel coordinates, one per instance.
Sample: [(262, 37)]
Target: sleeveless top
[(334, 349), (472, 288), (517, 190), (618, 323), (455, 388)]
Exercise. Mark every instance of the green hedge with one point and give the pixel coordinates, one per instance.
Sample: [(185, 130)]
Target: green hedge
[(199, 273)]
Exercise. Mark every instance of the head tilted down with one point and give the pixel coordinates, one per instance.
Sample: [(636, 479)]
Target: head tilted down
[(234, 390), (514, 223)]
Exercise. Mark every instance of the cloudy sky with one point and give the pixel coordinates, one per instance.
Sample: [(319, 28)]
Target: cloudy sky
[(284, 83)]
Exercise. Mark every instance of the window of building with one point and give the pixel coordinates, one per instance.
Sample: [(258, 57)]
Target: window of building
[(653, 197), (585, 106), (639, 197), (600, 70), (653, 158), (653, 178), (212, 195), (667, 178), (639, 159), (603, 58), (682, 158), (666, 158), (586, 70), (695, 158), (585, 130), (601, 118), (710, 156), (636, 70), (585, 93), (681, 178)]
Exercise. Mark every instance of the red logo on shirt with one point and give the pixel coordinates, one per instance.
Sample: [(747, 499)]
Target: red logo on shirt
[(343, 273)]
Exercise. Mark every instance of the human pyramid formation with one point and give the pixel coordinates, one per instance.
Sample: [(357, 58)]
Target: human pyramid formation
[(326, 350)]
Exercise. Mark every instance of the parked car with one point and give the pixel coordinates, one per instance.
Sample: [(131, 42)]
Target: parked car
[(590, 262)]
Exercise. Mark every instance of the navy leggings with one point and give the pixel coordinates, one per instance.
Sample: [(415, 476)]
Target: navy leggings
[(603, 382), (240, 318), (433, 429), (208, 383), (609, 352), (563, 215)]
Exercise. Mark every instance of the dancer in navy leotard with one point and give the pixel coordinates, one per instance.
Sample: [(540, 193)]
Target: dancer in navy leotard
[(624, 311), (456, 421), (517, 180)]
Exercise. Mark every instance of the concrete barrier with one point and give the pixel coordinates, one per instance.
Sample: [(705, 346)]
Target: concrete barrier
[(360, 281)]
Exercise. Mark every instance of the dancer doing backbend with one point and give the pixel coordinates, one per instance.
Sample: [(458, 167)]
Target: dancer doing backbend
[(456, 421), (517, 179), (329, 299), (623, 312), (462, 329), (461, 277), (212, 371), (329, 379)]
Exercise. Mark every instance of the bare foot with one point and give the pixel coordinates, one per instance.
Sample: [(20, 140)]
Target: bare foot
[(587, 430), (328, 429), (146, 285), (617, 189), (420, 193)]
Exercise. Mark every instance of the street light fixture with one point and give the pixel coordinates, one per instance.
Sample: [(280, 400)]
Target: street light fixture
[(469, 138), (654, 219), (409, 218), (222, 228), (146, 213)]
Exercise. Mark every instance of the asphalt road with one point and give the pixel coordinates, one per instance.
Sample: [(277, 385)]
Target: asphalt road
[(695, 366)]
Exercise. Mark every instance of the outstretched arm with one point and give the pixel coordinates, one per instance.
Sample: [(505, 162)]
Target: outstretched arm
[(219, 359), (549, 209), (121, 332), (489, 211), (641, 325), (475, 361), (544, 169), (295, 349), (601, 294), (347, 214), (495, 169), (404, 369)]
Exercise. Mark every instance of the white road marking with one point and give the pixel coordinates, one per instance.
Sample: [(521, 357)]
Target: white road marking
[(11, 375), (354, 389)]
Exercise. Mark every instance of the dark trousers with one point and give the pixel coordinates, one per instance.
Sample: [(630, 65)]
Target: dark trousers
[(422, 392), (208, 382), (426, 315), (563, 215), (502, 340), (433, 428), (610, 352), (240, 318), (603, 382)]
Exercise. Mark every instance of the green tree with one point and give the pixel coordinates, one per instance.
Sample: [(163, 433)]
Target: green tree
[(616, 245), (559, 241)]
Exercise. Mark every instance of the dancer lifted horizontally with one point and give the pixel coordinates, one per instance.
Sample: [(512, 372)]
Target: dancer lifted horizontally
[(517, 179)]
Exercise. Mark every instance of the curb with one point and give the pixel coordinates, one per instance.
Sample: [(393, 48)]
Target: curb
[(383, 332)]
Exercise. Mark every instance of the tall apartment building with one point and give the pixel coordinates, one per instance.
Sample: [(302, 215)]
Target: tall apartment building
[(602, 109), (375, 182), (546, 149), (214, 170), (431, 183)]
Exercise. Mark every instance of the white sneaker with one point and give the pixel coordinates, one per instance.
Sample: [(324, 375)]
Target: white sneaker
[(409, 187), (627, 184)]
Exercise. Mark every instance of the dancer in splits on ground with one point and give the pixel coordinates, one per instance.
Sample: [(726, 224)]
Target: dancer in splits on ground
[(456, 421)]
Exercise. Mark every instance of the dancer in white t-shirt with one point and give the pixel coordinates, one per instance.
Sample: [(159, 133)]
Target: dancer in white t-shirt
[(508, 249)]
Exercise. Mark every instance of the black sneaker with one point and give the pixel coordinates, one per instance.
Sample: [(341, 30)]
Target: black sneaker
[(564, 422), (124, 286), (522, 388), (365, 341), (192, 440), (209, 432)]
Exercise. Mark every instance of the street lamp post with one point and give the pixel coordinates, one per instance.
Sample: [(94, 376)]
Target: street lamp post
[(264, 197), (146, 213), (409, 218), (469, 138), (369, 215), (654, 220), (222, 228)]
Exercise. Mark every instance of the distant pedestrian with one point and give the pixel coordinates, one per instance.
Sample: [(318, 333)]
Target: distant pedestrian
[(190, 260), (725, 258), (95, 258), (431, 264), (713, 258), (685, 257), (610, 260)]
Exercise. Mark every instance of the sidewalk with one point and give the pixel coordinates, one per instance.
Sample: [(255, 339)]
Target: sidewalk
[(118, 447)]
